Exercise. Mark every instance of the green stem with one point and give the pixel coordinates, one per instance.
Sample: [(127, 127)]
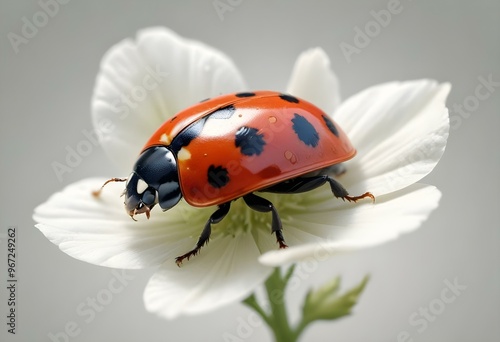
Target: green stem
[(323, 303), (251, 301), (275, 286), (277, 317)]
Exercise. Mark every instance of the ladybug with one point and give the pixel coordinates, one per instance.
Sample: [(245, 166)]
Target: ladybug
[(232, 146)]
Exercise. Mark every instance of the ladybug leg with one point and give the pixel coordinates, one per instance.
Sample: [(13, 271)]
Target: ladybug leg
[(216, 217), (263, 205), (303, 184), (339, 191)]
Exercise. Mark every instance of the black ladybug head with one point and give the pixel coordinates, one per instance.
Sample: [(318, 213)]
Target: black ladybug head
[(155, 180)]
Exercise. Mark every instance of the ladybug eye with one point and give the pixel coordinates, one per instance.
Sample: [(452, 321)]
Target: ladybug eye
[(141, 186)]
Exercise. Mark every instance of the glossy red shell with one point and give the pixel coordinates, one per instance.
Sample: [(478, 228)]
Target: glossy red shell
[(284, 156)]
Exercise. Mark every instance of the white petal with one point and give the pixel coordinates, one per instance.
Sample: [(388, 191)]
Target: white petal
[(225, 271), (99, 231), (313, 80), (321, 234), (143, 82), (400, 131)]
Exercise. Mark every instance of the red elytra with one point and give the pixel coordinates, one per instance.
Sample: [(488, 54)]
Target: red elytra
[(297, 137)]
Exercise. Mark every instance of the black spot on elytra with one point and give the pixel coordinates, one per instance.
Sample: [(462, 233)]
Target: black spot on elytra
[(217, 176), (305, 130), (173, 118), (223, 113), (289, 98), (331, 126), (187, 135), (250, 141), (246, 94)]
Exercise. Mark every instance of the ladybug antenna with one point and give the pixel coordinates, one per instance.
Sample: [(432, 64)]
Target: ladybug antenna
[(97, 193)]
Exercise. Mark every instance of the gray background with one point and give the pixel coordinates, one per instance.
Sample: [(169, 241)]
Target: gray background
[(45, 93)]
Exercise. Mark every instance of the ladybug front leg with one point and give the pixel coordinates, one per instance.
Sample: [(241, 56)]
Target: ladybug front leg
[(216, 217), (263, 205)]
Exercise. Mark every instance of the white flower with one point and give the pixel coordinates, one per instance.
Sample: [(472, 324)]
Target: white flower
[(399, 129)]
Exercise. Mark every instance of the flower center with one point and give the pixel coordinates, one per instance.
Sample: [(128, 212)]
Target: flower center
[(242, 219)]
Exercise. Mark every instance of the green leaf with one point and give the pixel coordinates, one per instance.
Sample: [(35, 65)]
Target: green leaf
[(325, 303)]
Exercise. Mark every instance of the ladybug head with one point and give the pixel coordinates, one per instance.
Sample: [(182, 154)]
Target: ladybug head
[(154, 181)]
